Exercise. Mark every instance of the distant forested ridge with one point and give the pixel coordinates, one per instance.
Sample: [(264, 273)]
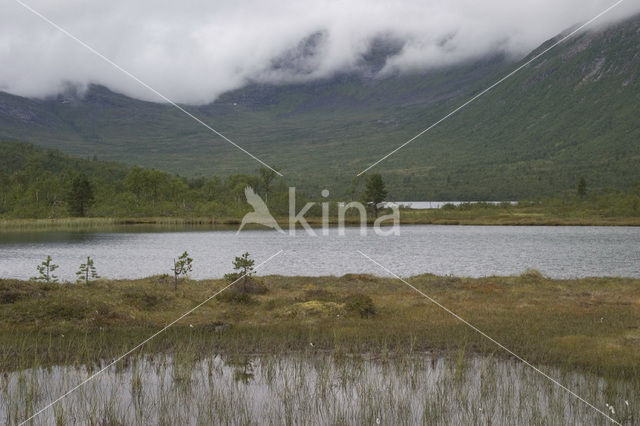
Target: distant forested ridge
[(44, 183)]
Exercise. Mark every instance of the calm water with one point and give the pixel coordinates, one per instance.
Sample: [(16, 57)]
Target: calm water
[(315, 390), (461, 250)]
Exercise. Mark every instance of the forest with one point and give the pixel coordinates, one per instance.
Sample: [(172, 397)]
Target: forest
[(43, 183), (39, 183)]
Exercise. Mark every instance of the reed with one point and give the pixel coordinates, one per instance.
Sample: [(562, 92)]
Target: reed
[(311, 388)]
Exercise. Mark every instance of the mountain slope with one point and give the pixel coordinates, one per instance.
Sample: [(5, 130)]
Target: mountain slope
[(572, 113)]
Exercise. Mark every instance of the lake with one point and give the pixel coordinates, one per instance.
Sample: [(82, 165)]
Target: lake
[(557, 251)]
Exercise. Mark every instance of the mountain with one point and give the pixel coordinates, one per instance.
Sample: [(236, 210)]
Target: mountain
[(572, 113)]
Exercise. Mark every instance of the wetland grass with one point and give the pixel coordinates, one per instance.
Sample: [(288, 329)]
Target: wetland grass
[(315, 388), (591, 324), (302, 353)]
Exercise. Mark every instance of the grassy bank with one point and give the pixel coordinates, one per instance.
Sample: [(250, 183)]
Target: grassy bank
[(478, 216), (587, 324), (108, 222), (509, 217)]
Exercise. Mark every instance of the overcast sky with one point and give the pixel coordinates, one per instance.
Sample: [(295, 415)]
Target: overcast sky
[(192, 51)]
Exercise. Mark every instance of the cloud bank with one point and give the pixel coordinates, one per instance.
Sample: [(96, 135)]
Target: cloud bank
[(194, 50)]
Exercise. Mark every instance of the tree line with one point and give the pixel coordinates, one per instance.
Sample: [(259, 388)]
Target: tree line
[(36, 183), (39, 183)]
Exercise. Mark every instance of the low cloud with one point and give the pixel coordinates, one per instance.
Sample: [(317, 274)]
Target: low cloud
[(193, 51)]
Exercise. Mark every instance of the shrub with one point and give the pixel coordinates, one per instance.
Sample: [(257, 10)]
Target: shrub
[(249, 286), (361, 304), (9, 296), (12, 291), (161, 279), (313, 308), (319, 294), (273, 304), (532, 275), (359, 277), (69, 310), (237, 297), (142, 300)]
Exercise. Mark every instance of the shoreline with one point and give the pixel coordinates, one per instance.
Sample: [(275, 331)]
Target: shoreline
[(427, 218)]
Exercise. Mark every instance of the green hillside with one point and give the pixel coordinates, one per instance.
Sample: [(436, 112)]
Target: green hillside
[(572, 114), (44, 183), (38, 183)]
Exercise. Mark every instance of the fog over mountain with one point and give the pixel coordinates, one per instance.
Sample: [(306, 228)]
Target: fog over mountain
[(192, 51)]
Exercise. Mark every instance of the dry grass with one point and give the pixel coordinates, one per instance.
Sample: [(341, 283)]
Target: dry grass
[(587, 324), (515, 216)]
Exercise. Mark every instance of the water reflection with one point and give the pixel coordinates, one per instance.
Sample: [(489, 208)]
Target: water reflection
[(314, 389)]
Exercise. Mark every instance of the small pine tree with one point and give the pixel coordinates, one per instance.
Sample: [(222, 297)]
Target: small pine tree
[(243, 267), (374, 192), (45, 269), (181, 267), (582, 187), (87, 272)]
